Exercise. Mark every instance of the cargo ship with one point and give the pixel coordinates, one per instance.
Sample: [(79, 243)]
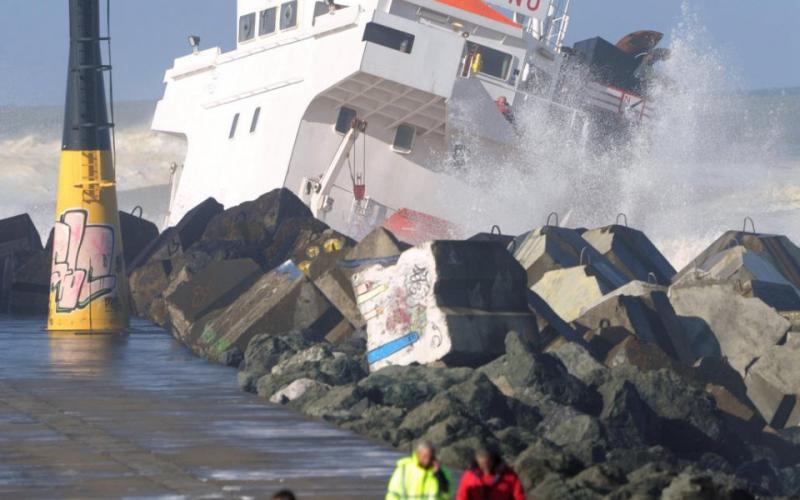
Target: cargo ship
[(370, 110)]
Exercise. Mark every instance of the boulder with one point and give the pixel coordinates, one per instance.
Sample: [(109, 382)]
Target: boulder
[(281, 300), (717, 321), (147, 284), (549, 248), (773, 384), (452, 301), (256, 221), (631, 252), (537, 379), (175, 240), (409, 386), (137, 234), (297, 389), (215, 286), (580, 363)]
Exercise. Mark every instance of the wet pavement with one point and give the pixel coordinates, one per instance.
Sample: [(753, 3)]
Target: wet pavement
[(139, 416)]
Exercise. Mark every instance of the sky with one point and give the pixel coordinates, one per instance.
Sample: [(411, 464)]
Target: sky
[(758, 39)]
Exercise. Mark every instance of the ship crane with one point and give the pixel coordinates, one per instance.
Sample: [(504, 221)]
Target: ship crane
[(318, 190)]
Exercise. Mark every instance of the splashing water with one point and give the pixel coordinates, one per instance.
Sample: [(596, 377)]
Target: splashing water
[(711, 156)]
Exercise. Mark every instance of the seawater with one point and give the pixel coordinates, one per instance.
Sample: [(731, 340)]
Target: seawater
[(143, 394)]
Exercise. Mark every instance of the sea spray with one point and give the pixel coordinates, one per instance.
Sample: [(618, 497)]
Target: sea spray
[(710, 156)]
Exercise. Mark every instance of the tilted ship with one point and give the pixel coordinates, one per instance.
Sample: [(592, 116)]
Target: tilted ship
[(369, 109)]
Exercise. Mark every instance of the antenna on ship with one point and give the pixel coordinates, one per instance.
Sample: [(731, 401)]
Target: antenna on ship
[(88, 287)]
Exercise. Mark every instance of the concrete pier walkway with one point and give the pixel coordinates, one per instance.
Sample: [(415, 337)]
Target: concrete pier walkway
[(140, 417)]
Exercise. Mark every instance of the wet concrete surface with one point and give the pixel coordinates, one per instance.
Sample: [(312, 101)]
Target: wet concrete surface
[(139, 416)]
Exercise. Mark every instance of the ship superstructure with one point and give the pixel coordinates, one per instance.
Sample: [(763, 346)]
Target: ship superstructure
[(365, 108)]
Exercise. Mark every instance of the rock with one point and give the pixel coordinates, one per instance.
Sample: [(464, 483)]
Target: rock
[(297, 389), (147, 284), (536, 379), (599, 479), (580, 363), (408, 387), (542, 459), (705, 484), (483, 400), (137, 233), (549, 248), (773, 384), (215, 286), (631, 252), (257, 221), (280, 301), (728, 389), (264, 351), (569, 291), (689, 420), (719, 322), (628, 420), (175, 240), (444, 300), (600, 341), (644, 356), (580, 434)]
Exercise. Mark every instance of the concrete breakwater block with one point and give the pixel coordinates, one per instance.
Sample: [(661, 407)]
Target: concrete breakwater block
[(569, 291), (644, 310), (378, 247), (766, 266), (19, 243), (280, 301), (549, 248), (443, 300), (632, 253), (137, 234), (773, 384), (717, 321), (215, 286), (177, 239)]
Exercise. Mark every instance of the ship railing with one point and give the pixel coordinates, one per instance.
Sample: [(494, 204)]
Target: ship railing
[(556, 24), (578, 119)]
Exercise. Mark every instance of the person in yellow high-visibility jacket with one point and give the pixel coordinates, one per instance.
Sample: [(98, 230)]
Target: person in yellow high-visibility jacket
[(420, 477)]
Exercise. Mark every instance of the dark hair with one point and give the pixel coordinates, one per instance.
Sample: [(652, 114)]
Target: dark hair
[(284, 495), (495, 459)]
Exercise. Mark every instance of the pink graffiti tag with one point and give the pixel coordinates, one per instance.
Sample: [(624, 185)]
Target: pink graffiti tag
[(83, 258)]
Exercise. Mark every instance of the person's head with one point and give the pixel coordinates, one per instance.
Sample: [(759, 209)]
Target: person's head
[(487, 459), (284, 495), (425, 453)]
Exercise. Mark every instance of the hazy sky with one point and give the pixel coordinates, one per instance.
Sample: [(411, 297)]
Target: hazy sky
[(759, 38)]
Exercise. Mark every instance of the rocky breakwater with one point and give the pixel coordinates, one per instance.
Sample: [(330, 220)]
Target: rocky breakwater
[(596, 367)]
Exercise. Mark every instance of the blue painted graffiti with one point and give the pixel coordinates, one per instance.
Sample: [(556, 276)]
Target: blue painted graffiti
[(392, 347)]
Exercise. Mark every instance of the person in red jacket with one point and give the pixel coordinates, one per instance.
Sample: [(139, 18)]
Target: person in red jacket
[(489, 478)]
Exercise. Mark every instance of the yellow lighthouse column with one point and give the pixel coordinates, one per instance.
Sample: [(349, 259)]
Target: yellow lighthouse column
[(88, 288)]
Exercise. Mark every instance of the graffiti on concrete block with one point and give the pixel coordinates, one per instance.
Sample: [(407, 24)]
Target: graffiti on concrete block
[(398, 304), (83, 261)]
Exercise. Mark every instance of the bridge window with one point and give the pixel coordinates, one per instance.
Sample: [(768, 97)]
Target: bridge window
[(389, 37), (247, 27), (345, 119), (266, 24), (289, 15), (492, 62), (254, 122), (404, 139), (233, 126)]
